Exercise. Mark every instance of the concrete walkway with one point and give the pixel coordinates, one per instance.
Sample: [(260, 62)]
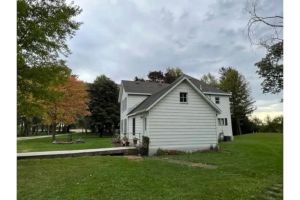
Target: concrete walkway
[(83, 152)]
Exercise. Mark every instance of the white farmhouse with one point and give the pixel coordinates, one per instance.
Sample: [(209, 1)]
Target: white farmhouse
[(186, 115)]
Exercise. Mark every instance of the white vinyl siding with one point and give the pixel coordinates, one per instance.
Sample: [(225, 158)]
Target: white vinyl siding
[(138, 127), (124, 104), (138, 124), (125, 126), (134, 100), (173, 125), (224, 105), (131, 101)]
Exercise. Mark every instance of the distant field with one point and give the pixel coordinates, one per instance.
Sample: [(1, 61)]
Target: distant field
[(45, 144), (250, 167)]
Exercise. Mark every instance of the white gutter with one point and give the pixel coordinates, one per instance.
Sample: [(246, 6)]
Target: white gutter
[(220, 94)]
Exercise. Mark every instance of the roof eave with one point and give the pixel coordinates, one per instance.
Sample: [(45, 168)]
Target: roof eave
[(139, 93), (136, 113), (219, 93)]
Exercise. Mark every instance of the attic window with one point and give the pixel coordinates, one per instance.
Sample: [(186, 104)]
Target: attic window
[(183, 97), (217, 100)]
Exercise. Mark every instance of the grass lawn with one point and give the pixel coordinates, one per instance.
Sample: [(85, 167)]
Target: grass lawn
[(250, 167), (45, 144)]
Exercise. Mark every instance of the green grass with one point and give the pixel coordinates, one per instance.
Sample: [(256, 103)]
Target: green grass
[(247, 168), (45, 144)]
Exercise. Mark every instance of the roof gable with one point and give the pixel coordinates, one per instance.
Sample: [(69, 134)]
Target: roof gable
[(152, 100)]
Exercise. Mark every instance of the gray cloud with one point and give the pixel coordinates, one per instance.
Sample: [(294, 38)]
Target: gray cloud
[(127, 38)]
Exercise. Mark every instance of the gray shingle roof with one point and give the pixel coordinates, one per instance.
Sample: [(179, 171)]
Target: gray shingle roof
[(143, 87), (156, 95)]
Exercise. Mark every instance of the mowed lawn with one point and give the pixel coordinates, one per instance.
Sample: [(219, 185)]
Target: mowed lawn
[(45, 144), (247, 168)]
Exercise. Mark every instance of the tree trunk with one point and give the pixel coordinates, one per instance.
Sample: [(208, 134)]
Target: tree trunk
[(22, 128), (53, 131), (238, 126), (64, 129), (26, 127), (59, 128), (42, 128), (33, 130), (68, 128), (48, 129)]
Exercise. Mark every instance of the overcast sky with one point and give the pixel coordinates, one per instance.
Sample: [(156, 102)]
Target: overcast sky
[(127, 38)]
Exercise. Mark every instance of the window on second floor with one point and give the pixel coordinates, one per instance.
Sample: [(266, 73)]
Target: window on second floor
[(183, 97), (217, 100)]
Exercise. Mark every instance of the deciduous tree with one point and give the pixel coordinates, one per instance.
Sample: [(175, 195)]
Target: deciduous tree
[(72, 104), (210, 79), (270, 68), (172, 74), (156, 76), (139, 79), (43, 27)]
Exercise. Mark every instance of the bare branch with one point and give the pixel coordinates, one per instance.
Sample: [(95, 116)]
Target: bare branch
[(275, 22)]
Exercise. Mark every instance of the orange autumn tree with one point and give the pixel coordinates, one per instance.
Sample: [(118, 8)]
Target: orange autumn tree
[(71, 104)]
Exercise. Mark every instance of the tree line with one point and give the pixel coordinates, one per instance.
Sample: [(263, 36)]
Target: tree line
[(49, 97)]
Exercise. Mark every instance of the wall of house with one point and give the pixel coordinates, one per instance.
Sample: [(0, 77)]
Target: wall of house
[(182, 126), (132, 101), (139, 132), (224, 105)]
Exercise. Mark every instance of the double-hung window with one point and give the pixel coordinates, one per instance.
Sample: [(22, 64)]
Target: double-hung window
[(183, 97), (222, 122), (217, 100)]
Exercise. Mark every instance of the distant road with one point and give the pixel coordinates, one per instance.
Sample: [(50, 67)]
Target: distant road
[(45, 136)]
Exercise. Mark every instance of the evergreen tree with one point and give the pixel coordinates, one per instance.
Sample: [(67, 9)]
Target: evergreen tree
[(241, 102), (103, 105)]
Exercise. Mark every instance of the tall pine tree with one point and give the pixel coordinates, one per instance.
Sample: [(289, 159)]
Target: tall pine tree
[(241, 102)]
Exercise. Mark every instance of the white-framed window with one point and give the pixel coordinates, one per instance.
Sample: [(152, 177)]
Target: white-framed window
[(217, 100), (183, 97), (222, 122)]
